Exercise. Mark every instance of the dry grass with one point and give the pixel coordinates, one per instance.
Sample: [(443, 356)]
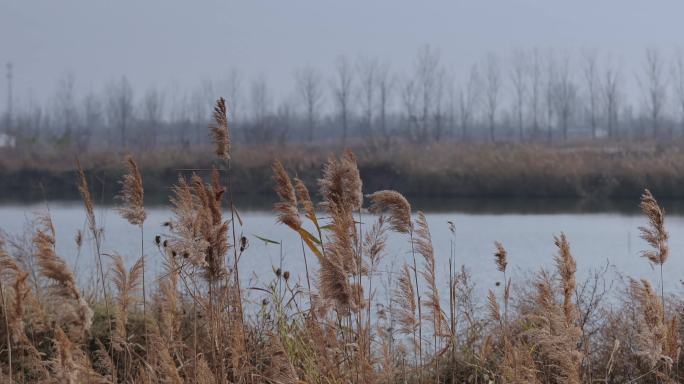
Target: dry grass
[(192, 327)]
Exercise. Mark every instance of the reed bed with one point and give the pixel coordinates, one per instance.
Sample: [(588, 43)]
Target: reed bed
[(195, 323)]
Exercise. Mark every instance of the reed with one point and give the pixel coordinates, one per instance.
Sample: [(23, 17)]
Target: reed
[(355, 320)]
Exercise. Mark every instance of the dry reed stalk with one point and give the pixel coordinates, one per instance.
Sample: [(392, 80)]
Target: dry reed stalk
[(219, 130), (374, 246), (286, 208), (133, 210), (221, 138), (305, 200), (405, 297), (501, 261), (84, 191), (557, 342), (341, 183), (518, 365), (127, 284), (279, 369), (54, 268), (396, 206), (566, 266), (71, 365), (557, 337), (8, 265), (132, 194), (656, 236), (657, 339), (423, 245)]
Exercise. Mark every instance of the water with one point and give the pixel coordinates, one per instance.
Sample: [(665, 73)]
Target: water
[(607, 239)]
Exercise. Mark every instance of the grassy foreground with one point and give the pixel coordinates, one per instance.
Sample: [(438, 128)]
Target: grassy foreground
[(195, 323)]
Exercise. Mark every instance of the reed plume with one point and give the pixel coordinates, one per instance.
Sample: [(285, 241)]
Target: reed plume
[(493, 306), (657, 339), (500, 257), (423, 245), (655, 234), (219, 130), (188, 241), (286, 208), (278, 368), (54, 268), (341, 183), (128, 284), (305, 199), (396, 206), (132, 194), (566, 266), (405, 297), (84, 191)]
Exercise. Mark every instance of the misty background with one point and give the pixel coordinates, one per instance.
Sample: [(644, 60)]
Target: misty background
[(311, 70)]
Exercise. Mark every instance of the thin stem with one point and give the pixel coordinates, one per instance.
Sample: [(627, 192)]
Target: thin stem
[(235, 255), (7, 329), (306, 269), (420, 312), (104, 289), (142, 256), (662, 291)]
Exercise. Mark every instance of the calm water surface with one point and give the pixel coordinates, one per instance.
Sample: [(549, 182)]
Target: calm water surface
[(597, 239)]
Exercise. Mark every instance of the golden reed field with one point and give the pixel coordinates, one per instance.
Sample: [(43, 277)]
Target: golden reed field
[(194, 323)]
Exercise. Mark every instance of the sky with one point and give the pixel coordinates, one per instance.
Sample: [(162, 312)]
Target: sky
[(181, 42)]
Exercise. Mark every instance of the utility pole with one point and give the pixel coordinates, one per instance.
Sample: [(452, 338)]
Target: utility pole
[(9, 96)]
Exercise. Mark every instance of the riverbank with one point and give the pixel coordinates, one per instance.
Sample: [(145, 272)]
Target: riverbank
[(421, 171)]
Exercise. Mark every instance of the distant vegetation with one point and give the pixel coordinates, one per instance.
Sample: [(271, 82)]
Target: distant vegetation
[(349, 317), (446, 170), (532, 95)]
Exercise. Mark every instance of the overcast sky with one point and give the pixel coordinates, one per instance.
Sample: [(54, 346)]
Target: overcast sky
[(182, 42)]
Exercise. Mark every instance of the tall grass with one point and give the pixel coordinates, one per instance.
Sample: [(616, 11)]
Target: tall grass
[(195, 324)]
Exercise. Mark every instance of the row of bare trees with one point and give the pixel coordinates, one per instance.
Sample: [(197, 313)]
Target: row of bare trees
[(523, 96)]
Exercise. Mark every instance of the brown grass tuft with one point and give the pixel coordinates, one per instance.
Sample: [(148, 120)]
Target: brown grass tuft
[(655, 234), (286, 208), (219, 130), (131, 194), (397, 207)]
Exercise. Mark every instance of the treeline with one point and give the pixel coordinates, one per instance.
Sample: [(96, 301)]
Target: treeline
[(525, 95)]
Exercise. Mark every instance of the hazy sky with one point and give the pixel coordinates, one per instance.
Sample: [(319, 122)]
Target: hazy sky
[(183, 42)]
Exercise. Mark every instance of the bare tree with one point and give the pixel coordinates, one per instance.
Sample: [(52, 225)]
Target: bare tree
[(428, 73), (653, 86), (342, 87), (201, 100), (409, 97), (678, 83), (611, 97), (66, 105), (285, 117), (120, 106), (152, 111), (492, 90), (564, 96), (384, 85), (535, 89), (438, 112), (234, 89), (518, 80), (590, 73), (367, 71), (549, 94), (468, 97), (309, 87), (261, 105), (92, 120)]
